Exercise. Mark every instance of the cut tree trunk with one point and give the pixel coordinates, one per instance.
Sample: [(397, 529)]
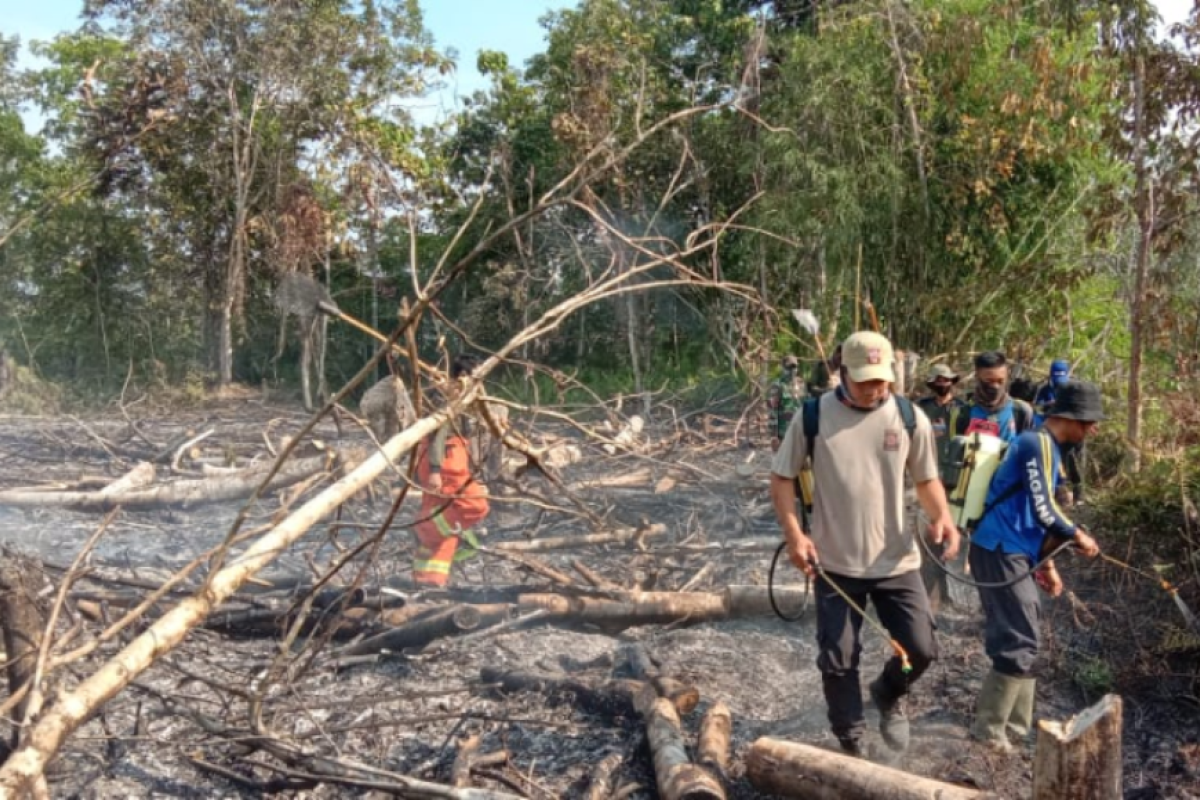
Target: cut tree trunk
[(613, 698), (677, 777), (1080, 759), (754, 601), (788, 769), (640, 608), (22, 625), (186, 493), (420, 632), (601, 785), (716, 728)]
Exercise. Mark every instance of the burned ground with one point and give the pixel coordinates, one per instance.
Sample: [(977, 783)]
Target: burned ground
[(186, 728)]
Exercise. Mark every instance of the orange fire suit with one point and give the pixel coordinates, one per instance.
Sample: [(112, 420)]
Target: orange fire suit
[(448, 514)]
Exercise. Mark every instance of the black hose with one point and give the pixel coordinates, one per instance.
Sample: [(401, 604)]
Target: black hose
[(771, 588), (937, 561)]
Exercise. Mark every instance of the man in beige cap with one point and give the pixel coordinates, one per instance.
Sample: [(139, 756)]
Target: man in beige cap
[(865, 440)]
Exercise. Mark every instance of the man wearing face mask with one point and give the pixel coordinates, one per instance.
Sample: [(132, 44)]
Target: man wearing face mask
[(938, 406), (786, 394), (992, 411), (863, 445)]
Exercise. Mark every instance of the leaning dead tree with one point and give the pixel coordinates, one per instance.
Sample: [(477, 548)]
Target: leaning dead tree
[(239, 559)]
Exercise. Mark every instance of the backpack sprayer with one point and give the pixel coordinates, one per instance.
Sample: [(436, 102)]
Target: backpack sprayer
[(972, 463)]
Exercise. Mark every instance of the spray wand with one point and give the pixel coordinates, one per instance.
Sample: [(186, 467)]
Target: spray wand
[(1166, 586), (897, 648)]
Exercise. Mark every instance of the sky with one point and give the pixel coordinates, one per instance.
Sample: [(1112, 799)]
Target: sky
[(467, 26)]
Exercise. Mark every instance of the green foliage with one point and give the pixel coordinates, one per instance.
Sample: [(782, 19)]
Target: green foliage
[(1092, 675), (1151, 502), (28, 394)]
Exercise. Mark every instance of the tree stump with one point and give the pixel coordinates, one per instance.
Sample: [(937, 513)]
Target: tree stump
[(1080, 759)]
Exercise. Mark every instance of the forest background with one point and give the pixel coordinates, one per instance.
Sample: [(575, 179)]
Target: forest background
[(987, 174)]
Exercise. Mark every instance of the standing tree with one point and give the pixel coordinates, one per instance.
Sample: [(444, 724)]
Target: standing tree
[(244, 93)]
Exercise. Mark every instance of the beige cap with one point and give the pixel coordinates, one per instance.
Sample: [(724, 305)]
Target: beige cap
[(868, 357)]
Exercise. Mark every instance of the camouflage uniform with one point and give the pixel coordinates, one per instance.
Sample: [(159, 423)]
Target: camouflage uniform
[(785, 397)]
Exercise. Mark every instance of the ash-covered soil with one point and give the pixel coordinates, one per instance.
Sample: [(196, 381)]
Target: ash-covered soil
[(183, 729)]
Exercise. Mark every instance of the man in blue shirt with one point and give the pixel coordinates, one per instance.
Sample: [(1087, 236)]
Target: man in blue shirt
[(1022, 523), (992, 411)]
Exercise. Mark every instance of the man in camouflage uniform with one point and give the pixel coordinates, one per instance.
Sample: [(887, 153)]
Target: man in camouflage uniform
[(784, 398)]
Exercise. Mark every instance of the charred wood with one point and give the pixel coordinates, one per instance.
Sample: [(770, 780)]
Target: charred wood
[(423, 630), (677, 777), (639, 608), (22, 624), (600, 787)]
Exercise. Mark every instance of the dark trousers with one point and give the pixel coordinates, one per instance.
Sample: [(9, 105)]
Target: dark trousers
[(1012, 615), (903, 608)]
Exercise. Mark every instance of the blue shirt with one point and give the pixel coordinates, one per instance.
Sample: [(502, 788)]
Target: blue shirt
[(1041, 401), (1002, 423), (1024, 486)]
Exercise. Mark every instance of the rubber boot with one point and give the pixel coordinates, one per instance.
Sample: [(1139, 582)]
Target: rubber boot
[(1020, 720), (993, 708), (893, 716)]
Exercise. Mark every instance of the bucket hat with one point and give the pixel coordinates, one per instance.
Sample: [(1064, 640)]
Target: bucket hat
[(1078, 400)]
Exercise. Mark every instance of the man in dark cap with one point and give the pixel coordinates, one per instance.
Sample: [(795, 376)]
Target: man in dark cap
[(1022, 524), (783, 399)]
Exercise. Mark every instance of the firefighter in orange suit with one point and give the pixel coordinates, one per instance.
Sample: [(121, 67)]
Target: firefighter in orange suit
[(453, 502)]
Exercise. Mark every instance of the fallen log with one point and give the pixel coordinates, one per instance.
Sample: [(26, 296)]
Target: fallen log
[(617, 698), (677, 777), (22, 626), (1080, 759), (600, 786), (185, 493), (755, 601), (788, 769), (712, 746), (141, 475), (421, 631), (639, 608), (72, 707), (622, 536), (641, 667)]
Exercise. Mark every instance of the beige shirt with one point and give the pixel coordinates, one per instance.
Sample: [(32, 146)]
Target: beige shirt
[(858, 474)]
